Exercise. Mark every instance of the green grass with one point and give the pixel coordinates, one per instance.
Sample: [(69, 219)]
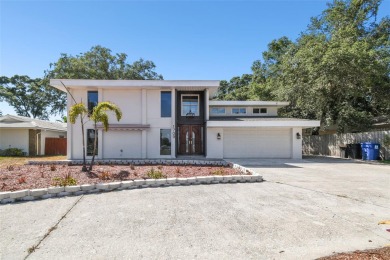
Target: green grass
[(385, 161), (7, 161)]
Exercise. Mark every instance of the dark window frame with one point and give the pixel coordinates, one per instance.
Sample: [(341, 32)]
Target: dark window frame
[(165, 145), (91, 104), (239, 111), (166, 105), (261, 110)]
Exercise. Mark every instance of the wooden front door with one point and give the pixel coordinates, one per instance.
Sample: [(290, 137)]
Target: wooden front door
[(190, 140)]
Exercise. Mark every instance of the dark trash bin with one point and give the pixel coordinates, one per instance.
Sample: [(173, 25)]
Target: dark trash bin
[(370, 151), (343, 151), (354, 151)]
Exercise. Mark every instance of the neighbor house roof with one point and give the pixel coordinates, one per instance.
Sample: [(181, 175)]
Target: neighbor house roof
[(228, 121), (21, 122), (212, 85)]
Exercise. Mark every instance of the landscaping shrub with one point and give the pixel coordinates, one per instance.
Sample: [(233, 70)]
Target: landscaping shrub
[(13, 152), (66, 180), (105, 176), (22, 180), (155, 174), (220, 171)]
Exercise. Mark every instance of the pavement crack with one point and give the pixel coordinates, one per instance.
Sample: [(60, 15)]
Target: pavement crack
[(33, 248)]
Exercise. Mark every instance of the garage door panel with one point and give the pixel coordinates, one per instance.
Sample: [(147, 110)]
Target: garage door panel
[(130, 142), (255, 143)]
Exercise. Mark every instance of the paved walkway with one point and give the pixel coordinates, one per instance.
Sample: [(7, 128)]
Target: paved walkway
[(305, 209)]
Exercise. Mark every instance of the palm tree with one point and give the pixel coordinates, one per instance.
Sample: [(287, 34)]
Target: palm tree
[(75, 111), (99, 115)]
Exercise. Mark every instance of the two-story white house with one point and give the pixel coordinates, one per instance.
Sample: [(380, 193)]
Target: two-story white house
[(176, 118)]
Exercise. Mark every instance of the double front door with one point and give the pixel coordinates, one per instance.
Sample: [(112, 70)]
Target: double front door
[(190, 139)]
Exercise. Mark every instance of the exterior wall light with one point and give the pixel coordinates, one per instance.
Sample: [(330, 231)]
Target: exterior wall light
[(218, 136), (298, 136)]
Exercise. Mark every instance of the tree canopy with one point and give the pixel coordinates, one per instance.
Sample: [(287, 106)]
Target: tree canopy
[(336, 71), (36, 98), (100, 63), (31, 97)]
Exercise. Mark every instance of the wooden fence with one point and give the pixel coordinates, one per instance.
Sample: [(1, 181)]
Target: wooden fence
[(55, 146), (330, 144)]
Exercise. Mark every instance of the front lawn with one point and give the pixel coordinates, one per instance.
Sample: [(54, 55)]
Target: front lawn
[(7, 161)]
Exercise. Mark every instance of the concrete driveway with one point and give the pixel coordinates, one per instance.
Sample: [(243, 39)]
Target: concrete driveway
[(305, 209)]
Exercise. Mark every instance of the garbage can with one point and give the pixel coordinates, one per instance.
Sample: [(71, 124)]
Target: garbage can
[(370, 151), (354, 151)]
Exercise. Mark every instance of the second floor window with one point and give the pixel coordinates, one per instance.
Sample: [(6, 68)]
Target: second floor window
[(92, 100), (259, 111), (237, 111), (218, 111), (166, 103)]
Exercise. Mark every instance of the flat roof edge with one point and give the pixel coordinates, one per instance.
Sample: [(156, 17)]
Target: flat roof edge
[(75, 83)]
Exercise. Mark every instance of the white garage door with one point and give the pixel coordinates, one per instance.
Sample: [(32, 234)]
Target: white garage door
[(122, 144), (255, 143)]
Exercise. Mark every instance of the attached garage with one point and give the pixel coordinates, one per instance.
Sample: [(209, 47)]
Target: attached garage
[(257, 143), (256, 137), (122, 144)]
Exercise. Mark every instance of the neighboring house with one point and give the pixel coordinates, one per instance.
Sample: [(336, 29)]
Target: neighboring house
[(28, 134), (175, 118)]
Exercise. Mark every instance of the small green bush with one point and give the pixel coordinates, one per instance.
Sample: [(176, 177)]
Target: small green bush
[(66, 180), (155, 174), (13, 152), (220, 171)]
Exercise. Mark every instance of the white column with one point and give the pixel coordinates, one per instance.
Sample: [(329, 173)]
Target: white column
[(69, 127), (296, 143), (143, 121), (173, 123), (100, 132), (207, 104)]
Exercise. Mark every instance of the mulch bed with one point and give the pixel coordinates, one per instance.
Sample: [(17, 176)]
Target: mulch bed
[(22, 177), (371, 254)]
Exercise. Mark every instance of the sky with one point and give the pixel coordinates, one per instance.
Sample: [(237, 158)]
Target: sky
[(197, 40)]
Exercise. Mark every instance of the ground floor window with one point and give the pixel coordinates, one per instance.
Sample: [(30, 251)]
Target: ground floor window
[(165, 141), (90, 140)]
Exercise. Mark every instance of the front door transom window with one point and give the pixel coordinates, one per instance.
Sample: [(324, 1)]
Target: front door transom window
[(190, 105)]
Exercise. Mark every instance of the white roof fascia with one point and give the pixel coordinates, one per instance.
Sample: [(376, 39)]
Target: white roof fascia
[(136, 84), (276, 123), (248, 103)]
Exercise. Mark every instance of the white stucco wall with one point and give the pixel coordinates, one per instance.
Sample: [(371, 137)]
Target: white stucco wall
[(153, 117), (138, 107), (296, 143), (214, 145), (14, 138)]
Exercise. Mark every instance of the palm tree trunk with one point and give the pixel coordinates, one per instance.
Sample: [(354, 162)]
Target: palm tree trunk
[(94, 148), (84, 168)]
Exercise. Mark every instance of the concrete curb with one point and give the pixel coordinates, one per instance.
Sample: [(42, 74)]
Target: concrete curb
[(52, 192)]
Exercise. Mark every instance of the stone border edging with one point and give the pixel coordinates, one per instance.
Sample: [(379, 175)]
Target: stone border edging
[(62, 191)]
